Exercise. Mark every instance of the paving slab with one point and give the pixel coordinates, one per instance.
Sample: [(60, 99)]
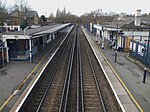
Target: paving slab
[(12, 75), (131, 74), (128, 77)]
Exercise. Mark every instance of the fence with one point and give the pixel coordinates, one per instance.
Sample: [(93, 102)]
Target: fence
[(139, 51)]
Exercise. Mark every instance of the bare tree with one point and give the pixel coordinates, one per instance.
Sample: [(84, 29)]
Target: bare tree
[(96, 16), (21, 12), (3, 12), (64, 16), (58, 13), (51, 17)]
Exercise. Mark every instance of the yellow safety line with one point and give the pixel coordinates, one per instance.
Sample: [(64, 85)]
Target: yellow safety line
[(6, 102), (19, 87), (22, 83), (131, 96)]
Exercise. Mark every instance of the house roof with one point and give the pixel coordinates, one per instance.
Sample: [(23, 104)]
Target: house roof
[(15, 13), (127, 22), (121, 22), (32, 14), (145, 20), (27, 14)]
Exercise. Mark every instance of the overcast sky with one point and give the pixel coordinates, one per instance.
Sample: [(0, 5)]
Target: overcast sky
[(79, 7)]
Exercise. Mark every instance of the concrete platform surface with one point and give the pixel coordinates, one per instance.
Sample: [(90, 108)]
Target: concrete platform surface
[(15, 77), (119, 92), (131, 76)]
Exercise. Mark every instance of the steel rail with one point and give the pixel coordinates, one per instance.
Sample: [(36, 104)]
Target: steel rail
[(51, 78), (78, 75), (45, 56), (96, 81), (70, 73), (27, 78), (80, 101), (47, 82), (64, 98), (81, 83)]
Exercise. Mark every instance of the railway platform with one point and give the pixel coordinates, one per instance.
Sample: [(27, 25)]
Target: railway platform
[(17, 75), (125, 78), (128, 74)]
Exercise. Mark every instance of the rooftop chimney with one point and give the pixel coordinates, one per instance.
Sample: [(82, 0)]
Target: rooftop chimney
[(137, 21)]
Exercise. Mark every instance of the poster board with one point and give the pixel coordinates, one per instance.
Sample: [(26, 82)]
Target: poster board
[(130, 45), (140, 50), (134, 47)]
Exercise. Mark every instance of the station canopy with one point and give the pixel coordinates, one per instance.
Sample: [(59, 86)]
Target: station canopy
[(34, 33), (52, 30)]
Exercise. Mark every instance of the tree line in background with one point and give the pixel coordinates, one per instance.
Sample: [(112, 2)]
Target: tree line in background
[(96, 16), (3, 12), (64, 16), (18, 14)]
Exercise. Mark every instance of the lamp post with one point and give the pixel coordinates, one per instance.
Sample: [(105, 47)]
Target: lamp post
[(103, 37), (2, 48), (116, 44), (146, 59)]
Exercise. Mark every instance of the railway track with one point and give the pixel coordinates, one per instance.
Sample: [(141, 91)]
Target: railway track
[(93, 100), (73, 81), (53, 100), (38, 94), (96, 84)]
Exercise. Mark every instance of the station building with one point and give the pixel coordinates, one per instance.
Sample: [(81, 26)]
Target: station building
[(127, 34), (123, 29), (22, 45)]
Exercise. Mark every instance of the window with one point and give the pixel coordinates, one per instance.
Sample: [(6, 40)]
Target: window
[(134, 47)]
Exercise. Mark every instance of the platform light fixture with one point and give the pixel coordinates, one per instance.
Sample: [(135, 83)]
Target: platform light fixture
[(116, 43)]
